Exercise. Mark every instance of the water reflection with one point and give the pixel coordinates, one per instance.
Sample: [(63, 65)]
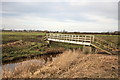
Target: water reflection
[(39, 60)]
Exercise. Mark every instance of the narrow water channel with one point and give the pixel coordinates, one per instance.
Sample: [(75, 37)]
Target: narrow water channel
[(41, 60)]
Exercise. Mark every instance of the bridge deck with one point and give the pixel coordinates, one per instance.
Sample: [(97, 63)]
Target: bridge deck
[(71, 38), (74, 42)]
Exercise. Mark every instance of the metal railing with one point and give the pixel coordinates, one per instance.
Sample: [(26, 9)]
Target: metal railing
[(83, 40), (71, 37)]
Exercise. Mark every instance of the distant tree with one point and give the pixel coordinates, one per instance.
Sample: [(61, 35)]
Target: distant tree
[(64, 31), (25, 30)]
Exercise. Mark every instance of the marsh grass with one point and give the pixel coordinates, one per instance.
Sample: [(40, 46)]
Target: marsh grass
[(23, 69), (70, 64), (28, 69)]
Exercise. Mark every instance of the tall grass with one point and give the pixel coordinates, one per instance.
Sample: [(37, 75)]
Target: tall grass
[(70, 64), (28, 69)]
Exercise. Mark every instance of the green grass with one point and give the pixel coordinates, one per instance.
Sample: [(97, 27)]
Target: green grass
[(109, 38), (23, 33), (33, 44), (15, 36), (22, 49), (65, 45)]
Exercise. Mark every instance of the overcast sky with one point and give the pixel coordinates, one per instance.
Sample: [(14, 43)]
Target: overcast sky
[(57, 16)]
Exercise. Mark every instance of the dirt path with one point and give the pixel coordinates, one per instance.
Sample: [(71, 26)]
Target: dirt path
[(73, 64)]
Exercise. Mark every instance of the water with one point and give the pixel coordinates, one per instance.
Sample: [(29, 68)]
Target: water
[(38, 60)]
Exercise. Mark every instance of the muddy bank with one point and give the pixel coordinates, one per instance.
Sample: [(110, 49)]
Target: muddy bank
[(25, 50), (70, 64), (21, 50), (25, 58)]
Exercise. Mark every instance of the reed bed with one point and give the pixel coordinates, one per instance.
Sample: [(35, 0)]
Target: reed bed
[(69, 64)]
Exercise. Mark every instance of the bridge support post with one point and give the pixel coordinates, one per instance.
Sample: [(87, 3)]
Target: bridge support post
[(87, 49), (48, 42), (94, 50)]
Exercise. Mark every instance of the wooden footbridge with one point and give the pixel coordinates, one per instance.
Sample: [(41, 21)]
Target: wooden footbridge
[(86, 40)]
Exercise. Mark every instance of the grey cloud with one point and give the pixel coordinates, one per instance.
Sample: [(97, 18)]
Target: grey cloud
[(60, 11)]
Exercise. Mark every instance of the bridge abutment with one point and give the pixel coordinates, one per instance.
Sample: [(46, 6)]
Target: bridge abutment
[(88, 49)]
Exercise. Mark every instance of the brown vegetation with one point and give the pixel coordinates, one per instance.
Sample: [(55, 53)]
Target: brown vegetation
[(70, 64)]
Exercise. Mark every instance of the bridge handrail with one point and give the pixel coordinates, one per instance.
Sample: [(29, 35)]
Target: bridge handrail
[(72, 37), (106, 43), (83, 40)]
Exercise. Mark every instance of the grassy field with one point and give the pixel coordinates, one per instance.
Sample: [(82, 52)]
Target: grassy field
[(15, 36), (109, 38), (17, 45), (22, 44)]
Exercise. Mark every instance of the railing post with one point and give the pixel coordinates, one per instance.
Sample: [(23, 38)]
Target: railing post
[(85, 39), (93, 39), (71, 37)]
